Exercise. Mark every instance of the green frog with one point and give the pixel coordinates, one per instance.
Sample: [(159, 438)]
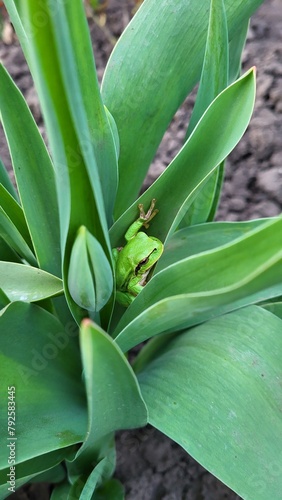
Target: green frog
[(134, 261)]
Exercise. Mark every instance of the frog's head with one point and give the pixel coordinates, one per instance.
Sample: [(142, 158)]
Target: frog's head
[(147, 252)]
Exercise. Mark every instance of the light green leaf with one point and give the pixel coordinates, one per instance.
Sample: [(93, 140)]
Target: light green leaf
[(216, 390), (205, 285), (34, 175), (26, 283), (114, 400), (216, 134), (164, 39), (37, 351)]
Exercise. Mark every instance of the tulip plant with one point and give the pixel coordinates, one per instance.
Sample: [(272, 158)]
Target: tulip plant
[(89, 269)]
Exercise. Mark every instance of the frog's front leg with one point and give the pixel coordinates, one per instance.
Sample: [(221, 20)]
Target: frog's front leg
[(124, 298), (135, 286), (143, 220)]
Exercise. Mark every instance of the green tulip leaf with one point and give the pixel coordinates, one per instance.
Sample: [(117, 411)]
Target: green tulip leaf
[(164, 39), (202, 237), (216, 390), (214, 137), (26, 283), (39, 358), (105, 366), (34, 175)]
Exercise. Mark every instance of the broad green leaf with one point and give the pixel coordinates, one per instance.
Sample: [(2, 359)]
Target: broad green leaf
[(163, 40), (114, 400), (15, 213), (6, 181), (39, 357), (216, 390), (205, 285), (34, 174), (26, 283), (13, 238), (202, 237), (216, 134)]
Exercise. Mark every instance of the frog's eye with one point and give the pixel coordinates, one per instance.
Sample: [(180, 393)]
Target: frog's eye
[(141, 263)]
